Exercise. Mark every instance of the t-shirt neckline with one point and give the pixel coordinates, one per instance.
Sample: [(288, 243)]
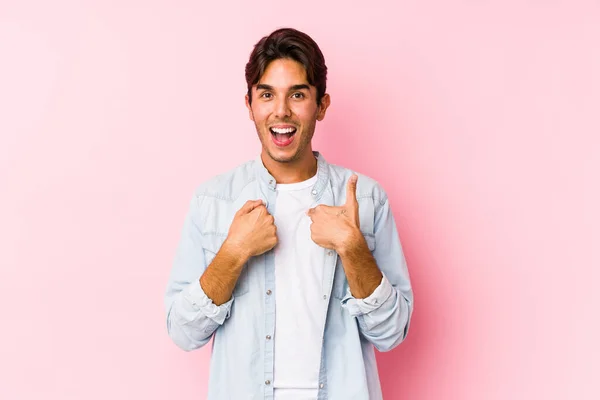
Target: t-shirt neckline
[(296, 185)]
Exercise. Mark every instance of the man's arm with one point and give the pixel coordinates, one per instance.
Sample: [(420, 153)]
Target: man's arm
[(192, 317), (380, 294), (220, 277), (199, 297), (360, 266), (252, 232)]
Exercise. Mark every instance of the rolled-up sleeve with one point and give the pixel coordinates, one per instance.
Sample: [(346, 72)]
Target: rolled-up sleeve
[(384, 317), (197, 301), (379, 296), (192, 317)]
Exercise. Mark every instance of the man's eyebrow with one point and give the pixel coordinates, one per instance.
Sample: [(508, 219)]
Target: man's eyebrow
[(264, 86), (299, 87)]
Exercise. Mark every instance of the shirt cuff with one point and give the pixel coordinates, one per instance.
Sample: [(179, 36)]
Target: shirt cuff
[(201, 302), (379, 296)]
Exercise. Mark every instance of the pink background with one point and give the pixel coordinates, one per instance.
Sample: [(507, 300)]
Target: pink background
[(480, 119)]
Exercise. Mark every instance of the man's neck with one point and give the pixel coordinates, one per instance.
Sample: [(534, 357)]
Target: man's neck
[(292, 172)]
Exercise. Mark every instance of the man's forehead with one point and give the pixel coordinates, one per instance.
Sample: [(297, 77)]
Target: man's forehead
[(284, 73)]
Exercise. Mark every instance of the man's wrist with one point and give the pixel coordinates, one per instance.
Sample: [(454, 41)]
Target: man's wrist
[(354, 241), (237, 254)]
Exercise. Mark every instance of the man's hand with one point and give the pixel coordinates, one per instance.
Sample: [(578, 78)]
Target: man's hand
[(253, 230), (337, 227)]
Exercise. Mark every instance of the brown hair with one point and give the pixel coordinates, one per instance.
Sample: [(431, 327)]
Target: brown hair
[(288, 43)]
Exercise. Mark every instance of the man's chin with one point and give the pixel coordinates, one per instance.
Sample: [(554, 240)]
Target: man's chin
[(283, 158)]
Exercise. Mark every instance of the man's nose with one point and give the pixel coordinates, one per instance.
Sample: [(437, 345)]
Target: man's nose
[(282, 108)]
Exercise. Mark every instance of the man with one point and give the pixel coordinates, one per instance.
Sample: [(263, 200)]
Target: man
[(292, 266)]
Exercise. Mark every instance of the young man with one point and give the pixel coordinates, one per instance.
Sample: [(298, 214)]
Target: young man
[(292, 266)]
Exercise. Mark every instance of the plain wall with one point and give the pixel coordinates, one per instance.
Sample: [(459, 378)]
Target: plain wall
[(479, 118)]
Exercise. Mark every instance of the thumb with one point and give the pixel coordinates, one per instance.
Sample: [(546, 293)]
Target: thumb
[(351, 192), (249, 206)]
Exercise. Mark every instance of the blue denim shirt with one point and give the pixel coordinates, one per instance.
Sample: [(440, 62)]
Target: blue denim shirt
[(242, 329)]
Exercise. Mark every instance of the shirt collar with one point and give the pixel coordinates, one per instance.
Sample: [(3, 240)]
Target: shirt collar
[(265, 178)]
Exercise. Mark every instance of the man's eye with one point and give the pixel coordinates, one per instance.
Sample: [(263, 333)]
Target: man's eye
[(298, 95), (266, 95)]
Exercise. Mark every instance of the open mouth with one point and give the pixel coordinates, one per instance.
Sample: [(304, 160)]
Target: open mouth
[(283, 136)]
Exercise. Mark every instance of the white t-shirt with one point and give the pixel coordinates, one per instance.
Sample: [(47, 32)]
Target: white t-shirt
[(299, 319)]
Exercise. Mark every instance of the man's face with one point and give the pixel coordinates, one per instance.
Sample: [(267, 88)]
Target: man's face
[(285, 111)]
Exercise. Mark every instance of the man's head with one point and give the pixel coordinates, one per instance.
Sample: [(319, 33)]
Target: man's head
[(286, 77), (294, 45)]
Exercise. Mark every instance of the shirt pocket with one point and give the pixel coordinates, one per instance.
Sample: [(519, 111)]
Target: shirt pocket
[(212, 244), (340, 283)]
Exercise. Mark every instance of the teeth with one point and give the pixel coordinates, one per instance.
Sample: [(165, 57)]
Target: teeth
[(283, 131)]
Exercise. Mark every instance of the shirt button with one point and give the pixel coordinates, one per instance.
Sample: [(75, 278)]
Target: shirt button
[(268, 337), (269, 292), (324, 297), (314, 192), (330, 253), (321, 386), (267, 382)]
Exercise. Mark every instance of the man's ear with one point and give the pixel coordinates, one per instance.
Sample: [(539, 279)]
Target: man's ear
[(325, 102), (250, 114)]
